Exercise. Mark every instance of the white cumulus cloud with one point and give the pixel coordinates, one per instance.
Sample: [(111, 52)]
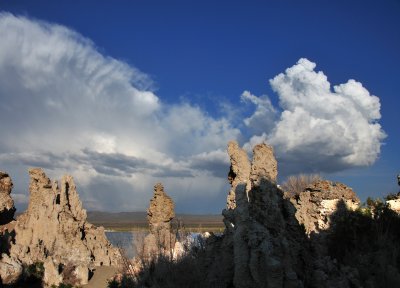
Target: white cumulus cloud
[(321, 129), (264, 117)]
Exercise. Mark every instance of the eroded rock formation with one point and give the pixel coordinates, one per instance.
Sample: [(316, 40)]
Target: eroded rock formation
[(160, 214), (266, 249), (10, 267), (54, 230), (265, 231), (7, 208), (161, 210), (320, 200)]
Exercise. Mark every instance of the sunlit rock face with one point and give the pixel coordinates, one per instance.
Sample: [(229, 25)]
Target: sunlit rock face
[(239, 172), (316, 205), (10, 267), (394, 204), (161, 211), (54, 230), (7, 208)]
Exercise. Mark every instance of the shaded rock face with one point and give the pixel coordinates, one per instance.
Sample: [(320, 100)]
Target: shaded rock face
[(266, 241), (54, 230), (320, 200), (316, 209), (160, 214), (7, 208)]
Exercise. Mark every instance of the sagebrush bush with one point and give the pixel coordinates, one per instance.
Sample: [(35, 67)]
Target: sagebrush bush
[(297, 183)]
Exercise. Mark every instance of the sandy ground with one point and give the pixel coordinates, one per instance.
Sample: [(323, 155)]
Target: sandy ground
[(100, 277)]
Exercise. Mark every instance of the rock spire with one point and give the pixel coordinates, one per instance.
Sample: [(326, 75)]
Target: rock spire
[(161, 210)]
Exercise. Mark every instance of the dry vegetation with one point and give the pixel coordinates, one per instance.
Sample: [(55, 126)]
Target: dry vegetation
[(297, 183)]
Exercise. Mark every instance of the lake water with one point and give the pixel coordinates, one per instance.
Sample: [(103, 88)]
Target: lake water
[(124, 240), (128, 240)]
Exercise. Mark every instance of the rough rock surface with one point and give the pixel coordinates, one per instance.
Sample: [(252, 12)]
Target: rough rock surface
[(266, 248), (161, 210), (10, 269), (7, 208), (264, 244), (320, 200), (160, 214), (239, 171), (54, 230)]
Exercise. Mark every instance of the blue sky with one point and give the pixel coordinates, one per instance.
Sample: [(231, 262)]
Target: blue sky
[(191, 62)]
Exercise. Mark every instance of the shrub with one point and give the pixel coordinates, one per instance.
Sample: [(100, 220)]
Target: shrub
[(113, 284), (297, 183), (367, 239), (36, 270), (391, 197), (31, 277), (63, 285)]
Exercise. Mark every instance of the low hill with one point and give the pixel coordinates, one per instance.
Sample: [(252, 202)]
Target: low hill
[(125, 221)]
